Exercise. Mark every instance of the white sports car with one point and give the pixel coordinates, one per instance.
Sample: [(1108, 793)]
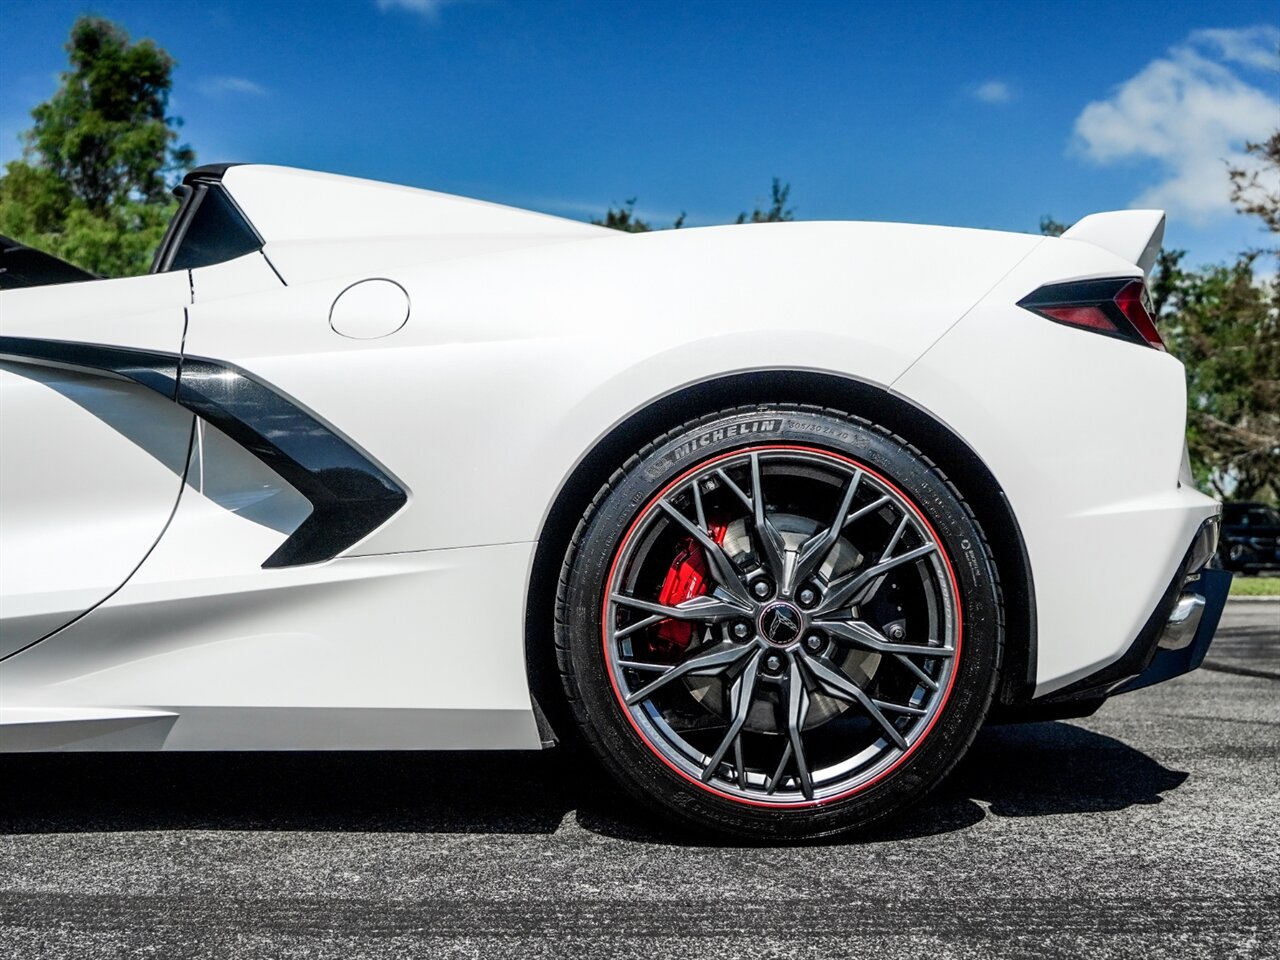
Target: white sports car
[(772, 517)]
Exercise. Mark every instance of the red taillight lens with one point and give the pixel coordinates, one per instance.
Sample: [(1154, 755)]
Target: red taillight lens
[(1115, 307), (1132, 301), (1090, 317)]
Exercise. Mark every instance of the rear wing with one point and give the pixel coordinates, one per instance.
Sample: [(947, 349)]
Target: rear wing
[(23, 266), (1132, 235)]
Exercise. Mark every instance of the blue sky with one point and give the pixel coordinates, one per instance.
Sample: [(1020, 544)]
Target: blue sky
[(976, 114)]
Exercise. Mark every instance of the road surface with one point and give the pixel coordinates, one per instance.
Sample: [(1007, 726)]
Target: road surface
[(1151, 829)]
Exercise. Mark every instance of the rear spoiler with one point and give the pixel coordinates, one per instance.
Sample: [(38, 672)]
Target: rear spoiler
[(1132, 235), (23, 266)]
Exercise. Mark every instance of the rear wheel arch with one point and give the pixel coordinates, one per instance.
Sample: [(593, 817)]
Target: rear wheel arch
[(962, 465)]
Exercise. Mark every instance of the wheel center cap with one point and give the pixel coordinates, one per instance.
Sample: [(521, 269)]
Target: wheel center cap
[(781, 623)]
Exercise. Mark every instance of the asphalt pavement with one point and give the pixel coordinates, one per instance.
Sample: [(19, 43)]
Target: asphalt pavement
[(1149, 830)]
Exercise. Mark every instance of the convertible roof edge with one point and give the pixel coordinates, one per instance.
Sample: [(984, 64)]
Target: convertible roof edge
[(210, 171), (287, 205)]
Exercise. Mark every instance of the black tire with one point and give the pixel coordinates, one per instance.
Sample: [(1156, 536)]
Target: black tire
[(582, 635)]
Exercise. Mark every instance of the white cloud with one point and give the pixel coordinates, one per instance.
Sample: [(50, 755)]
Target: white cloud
[(1252, 46), (993, 91), (430, 9), (217, 86), (1188, 114)]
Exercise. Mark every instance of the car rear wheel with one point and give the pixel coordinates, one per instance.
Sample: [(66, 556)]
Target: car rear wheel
[(778, 621)]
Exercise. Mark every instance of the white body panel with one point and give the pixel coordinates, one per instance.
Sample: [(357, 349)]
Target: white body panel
[(352, 654), (1094, 478), (527, 340), (507, 367), (140, 312), (90, 466), (298, 205), (80, 504), (379, 226)]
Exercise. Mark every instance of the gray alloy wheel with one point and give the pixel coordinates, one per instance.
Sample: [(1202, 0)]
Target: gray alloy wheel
[(793, 686)]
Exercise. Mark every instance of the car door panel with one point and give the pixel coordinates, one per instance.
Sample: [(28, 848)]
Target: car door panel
[(91, 463)]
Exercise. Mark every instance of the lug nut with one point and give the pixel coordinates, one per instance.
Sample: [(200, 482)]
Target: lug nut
[(807, 596), (773, 664), (813, 641), (742, 630), (896, 632), (762, 589)]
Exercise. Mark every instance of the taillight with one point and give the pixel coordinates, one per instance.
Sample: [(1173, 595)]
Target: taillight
[(1135, 305), (1117, 307)]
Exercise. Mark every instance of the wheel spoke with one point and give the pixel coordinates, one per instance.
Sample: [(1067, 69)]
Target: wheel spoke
[(913, 668), (706, 608), (698, 510), (716, 660), (871, 507), (643, 665), (870, 589), (834, 682), (776, 779), (741, 494), (639, 625), (772, 547), (893, 541), (797, 713), (722, 568), (741, 694), (845, 590), (900, 708), (866, 636), (817, 548)]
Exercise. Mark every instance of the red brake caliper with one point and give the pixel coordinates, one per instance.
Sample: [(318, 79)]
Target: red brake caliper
[(686, 579)]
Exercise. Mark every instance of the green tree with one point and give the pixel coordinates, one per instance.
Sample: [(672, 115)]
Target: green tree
[(624, 218), (1223, 322), (1224, 325), (1051, 227), (777, 211), (1256, 190), (93, 183)]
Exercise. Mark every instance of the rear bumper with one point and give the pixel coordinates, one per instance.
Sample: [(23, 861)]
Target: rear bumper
[(1182, 647), (1176, 635), (1178, 648)]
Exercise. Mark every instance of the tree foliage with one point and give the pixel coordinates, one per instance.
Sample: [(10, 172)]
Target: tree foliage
[(624, 216), (1051, 227), (777, 211), (1256, 190), (1225, 327), (1223, 322), (92, 185)]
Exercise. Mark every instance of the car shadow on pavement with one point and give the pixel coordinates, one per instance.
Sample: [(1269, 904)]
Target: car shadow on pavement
[(1025, 770), (1015, 771)]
